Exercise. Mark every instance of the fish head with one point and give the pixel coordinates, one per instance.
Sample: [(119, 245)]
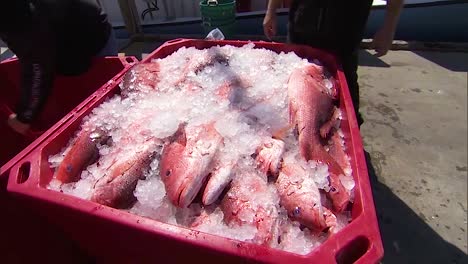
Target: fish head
[(300, 196), (83, 152), (185, 163), (141, 78), (269, 155), (175, 171), (240, 208), (326, 81)]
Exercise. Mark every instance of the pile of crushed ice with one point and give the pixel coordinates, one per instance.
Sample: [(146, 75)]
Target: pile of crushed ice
[(253, 106)]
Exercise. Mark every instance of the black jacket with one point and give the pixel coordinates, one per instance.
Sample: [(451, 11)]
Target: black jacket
[(336, 25), (50, 37)]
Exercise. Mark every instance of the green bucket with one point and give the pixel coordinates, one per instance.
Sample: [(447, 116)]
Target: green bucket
[(219, 14)]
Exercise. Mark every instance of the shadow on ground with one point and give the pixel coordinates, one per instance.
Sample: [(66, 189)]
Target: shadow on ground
[(406, 237), (453, 61), (370, 60)]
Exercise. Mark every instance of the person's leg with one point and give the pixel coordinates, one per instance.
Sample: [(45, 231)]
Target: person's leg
[(306, 25), (350, 67)]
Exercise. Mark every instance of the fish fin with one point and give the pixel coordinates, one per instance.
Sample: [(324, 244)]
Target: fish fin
[(335, 91), (282, 133), (332, 122), (337, 193), (180, 136), (330, 220)]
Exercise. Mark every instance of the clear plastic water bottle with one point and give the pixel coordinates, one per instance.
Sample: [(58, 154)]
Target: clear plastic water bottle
[(215, 34)]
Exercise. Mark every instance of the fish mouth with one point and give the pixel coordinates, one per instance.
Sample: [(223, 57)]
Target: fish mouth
[(184, 200), (179, 197), (187, 192)]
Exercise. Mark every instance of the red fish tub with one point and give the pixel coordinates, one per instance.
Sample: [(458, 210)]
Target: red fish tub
[(68, 95), (111, 234)]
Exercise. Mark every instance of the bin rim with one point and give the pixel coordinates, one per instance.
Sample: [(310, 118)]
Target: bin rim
[(205, 3)]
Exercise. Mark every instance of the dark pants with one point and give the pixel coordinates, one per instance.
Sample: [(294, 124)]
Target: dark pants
[(350, 66), (336, 26)]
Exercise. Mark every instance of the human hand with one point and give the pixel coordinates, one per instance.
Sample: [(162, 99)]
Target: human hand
[(382, 41), (269, 25), (17, 125)]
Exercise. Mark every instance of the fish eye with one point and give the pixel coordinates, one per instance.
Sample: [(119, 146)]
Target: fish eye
[(297, 211), (168, 173)]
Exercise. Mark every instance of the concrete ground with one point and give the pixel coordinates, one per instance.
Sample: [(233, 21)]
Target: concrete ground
[(415, 107)]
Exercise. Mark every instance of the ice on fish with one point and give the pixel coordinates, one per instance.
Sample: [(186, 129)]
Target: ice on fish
[(164, 213), (348, 182), (298, 241), (55, 160), (150, 192), (214, 224), (342, 220), (55, 185)]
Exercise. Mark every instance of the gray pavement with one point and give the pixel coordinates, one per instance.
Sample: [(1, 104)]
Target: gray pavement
[(415, 107)]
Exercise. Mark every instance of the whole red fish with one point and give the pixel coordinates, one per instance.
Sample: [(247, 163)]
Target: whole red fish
[(310, 108), (83, 153), (337, 150), (186, 162), (141, 77), (243, 205), (269, 156), (300, 196), (116, 188), (200, 61)]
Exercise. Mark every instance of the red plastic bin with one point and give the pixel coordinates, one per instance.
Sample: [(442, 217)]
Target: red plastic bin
[(117, 236), (18, 223), (68, 93)]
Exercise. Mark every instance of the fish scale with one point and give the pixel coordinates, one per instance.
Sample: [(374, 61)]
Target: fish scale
[(311, 105)]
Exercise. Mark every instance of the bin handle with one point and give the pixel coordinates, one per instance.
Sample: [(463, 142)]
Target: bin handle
[(372, 254), (212, 2), (128, 60)]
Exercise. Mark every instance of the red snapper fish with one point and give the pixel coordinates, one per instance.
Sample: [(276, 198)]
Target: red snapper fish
[(300, 196), (116, 188), (311, 110), (83, 152), (187, 161)]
